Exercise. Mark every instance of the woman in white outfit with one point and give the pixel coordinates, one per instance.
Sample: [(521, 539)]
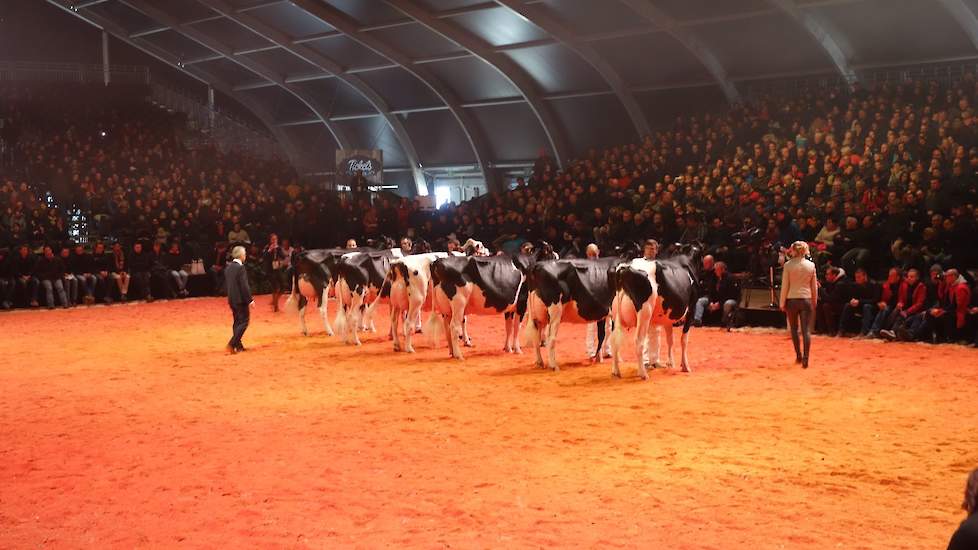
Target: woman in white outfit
[(799, 296)]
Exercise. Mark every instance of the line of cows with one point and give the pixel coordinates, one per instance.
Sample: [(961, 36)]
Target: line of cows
[(538, 290)]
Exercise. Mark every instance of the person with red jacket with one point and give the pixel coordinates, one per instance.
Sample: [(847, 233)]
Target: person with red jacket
[(912, 300), (886, 308), (950, 315)]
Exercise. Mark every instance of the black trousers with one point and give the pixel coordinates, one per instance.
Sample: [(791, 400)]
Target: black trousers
[(242, 315)]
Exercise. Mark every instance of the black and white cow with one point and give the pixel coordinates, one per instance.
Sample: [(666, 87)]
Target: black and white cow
[(575, 291), (313, 274), (410, 280), (482, 285), (649, 294), (361, 280)]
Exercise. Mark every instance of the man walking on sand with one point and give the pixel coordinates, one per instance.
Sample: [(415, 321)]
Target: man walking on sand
[(239, 297)]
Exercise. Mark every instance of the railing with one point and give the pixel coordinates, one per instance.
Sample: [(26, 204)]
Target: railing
[(30, 71), (214, 126)]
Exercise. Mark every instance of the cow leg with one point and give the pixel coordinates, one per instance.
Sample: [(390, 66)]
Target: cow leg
[(684, 342), (668, 330), (641, 343), (534, 329), (601, 330), (395, 319), (342, 292), (508, 321), (617, 334), (516, 333), (447, 323), (656, 351), (324, 311), (554, 312), (458, 315), (355, 318), (302, 319), (414, 312), (466, 338)]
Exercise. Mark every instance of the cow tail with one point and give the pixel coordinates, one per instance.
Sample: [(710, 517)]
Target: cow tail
[(530, 334), (292, 302), (339, 322), (434, 328), (380, 292)]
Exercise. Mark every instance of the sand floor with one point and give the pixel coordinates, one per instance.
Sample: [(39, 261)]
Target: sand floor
[(130, 426)]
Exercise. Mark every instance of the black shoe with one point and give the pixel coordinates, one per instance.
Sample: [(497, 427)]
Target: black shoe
[(888, 335), (241, 348), (804, 363), (697, 323), (232, 350), (798, 359)]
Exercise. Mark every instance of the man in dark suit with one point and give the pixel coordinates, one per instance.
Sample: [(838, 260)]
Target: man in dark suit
[(239, 296)]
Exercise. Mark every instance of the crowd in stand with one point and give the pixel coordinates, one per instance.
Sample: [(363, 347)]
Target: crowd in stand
[(883, 183)]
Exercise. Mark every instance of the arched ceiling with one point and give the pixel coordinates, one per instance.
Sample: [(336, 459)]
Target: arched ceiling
[(475, 85)]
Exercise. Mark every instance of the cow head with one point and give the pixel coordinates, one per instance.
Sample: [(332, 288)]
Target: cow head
[(473, 247), (382, 243), (628, 250), (545, 251), (421, 246)]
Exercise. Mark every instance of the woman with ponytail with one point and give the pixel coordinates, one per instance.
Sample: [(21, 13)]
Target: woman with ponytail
[(799, 296)]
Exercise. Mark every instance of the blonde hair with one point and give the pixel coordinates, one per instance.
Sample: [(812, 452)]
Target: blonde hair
[(238, 252), (799, 249)]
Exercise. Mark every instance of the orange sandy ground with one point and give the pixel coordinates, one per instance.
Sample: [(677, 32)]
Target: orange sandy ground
[(130, 427)]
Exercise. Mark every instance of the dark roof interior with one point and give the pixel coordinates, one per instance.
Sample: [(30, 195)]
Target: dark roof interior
[(479, 85)]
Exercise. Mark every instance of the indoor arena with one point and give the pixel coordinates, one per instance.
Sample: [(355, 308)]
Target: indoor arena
[(489, 274)]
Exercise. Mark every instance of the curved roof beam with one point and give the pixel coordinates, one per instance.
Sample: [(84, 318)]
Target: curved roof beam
[(287, 144), (964, 17), (351, 28), (650, 12), (516, 76), (260, 69), (326, 64), (832, 45), (589, 54)]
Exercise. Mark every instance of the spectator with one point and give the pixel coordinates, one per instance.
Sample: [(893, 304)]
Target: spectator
[(239, 235), (23, 272), (69, 281), (81, 264), (916, 326), (832, 299), (103, 265), (120, 271), (276, 263), (140, 265), (861, 299), (722, 295), (912, 301), (50, 271), (7, 285), (177, 276), (949, 316), (217, 268), (887, 309)]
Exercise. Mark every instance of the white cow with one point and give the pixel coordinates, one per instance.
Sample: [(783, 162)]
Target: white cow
[(650, 294), (410, 283)]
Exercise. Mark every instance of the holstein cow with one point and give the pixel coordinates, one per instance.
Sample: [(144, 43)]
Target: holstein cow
[(482, 285), (313, 274), (410, 282), (653, 293), (361, 280), (575, 291)]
